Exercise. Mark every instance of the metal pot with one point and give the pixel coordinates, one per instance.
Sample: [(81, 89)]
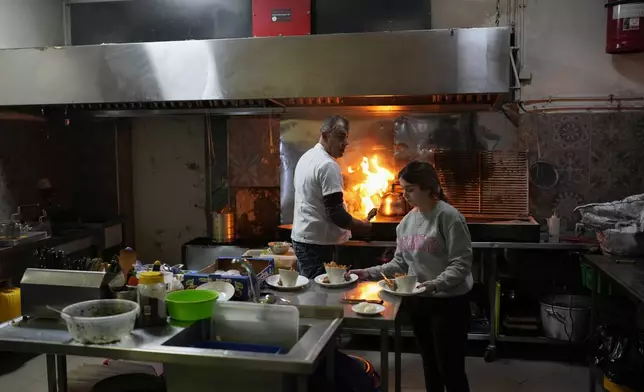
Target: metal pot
[(566, 317), (393, 204), (223, 226)]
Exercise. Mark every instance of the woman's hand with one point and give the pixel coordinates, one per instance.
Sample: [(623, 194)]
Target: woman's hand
[(430, 286), (362, 273)]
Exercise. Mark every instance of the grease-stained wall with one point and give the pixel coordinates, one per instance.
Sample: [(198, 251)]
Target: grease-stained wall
[(168, 163), (79, 161)]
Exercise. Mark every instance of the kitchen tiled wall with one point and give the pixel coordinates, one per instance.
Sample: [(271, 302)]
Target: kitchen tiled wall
[(78, 160), (254, 152), (253, 168), (599, 157)]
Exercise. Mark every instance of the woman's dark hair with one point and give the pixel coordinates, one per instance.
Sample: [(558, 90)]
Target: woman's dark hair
[(425, 176)]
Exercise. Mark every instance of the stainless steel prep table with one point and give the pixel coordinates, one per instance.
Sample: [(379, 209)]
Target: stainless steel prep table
[(489, 256), (628, 276), (314, 295), (148, 345)]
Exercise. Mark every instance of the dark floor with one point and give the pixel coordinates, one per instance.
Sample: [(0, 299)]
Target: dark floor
[(520, 368)]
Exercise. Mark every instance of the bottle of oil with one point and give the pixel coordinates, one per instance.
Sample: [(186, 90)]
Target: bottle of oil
[(151, 293)]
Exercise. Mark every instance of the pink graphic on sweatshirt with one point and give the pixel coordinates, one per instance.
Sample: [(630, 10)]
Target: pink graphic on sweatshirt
[(419, 243)]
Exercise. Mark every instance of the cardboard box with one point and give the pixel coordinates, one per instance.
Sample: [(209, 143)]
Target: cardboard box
[(286, 261), (262, 267), (193, 279)]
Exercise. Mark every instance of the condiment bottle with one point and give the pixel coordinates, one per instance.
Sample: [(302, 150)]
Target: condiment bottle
[(554, 227), (151, 297)]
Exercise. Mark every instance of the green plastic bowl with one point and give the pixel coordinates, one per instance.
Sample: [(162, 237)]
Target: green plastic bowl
[(191, 305)]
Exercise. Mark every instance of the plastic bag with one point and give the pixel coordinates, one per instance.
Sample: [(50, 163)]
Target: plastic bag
[(620, 355), (619, 225)]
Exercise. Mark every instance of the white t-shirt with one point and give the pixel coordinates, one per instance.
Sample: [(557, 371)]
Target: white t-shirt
[(317, 175)]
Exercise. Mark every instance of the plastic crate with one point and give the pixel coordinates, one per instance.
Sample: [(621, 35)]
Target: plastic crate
[(588, 277)]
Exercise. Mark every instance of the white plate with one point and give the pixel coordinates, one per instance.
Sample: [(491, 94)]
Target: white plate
[(352, 278), (378, 309), (386, 288), (225, 290), (273, 279)]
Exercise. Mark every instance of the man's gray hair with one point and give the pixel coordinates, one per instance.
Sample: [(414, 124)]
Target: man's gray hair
[(334, 122)]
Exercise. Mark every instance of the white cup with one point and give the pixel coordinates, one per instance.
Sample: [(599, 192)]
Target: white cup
[(406, 284), (288, 277), (336, 275)]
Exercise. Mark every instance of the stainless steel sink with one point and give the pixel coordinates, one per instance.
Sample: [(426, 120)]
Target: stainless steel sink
[(204, 331), (254, 371)]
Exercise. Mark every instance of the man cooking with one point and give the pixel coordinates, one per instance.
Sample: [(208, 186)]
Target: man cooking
[(320, 219)]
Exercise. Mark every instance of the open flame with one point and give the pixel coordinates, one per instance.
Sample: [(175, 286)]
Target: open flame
[(368, 183)]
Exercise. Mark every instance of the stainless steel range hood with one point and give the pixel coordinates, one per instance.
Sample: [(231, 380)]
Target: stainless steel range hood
[(433, 67)]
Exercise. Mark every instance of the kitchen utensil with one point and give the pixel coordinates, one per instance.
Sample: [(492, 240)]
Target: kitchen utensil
[(368, 309), (385, 287), (127, 258), (543, 174), (357, 301), (60, 312), (279, 248), (320, 280), (191, 305), (223, 226), (224, 289), (565, 317), (389, 281), (372, 214), (100, 321), (272, 299), (406, 284), (240, 322), (393, 204), (300, 282)]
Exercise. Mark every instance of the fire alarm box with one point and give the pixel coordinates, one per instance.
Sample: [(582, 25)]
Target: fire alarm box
[(281, 17), (625, 27)]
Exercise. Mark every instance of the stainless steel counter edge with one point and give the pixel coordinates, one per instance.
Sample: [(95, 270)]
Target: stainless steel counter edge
[(148, 345), (490, 245)]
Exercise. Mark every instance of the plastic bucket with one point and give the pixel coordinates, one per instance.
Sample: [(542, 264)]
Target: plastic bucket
[(191, 305)]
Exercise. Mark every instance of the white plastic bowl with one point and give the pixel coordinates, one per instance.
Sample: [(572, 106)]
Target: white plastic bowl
[(86, 323), (226, 290)]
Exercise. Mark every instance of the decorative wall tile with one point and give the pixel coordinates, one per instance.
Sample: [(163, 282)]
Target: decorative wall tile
[(599, 157), (638, 127), (253, 152), (258, 212), (571, 131), (573, 166), (565, 204)]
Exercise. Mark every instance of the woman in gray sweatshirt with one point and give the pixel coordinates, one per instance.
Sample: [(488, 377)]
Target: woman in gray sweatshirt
[(433, 242)]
